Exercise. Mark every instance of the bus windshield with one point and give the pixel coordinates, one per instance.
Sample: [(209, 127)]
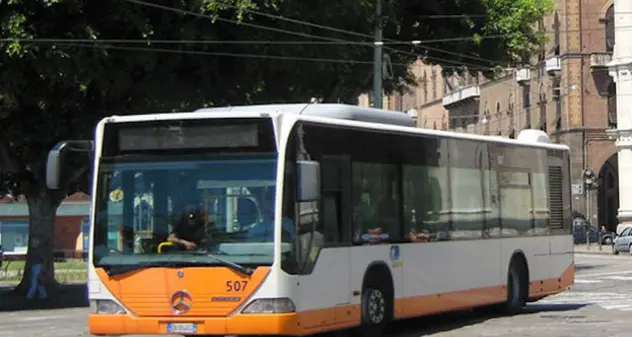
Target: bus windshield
[(153, 209)]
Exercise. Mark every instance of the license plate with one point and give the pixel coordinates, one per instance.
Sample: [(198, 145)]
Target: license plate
[(182, 328)]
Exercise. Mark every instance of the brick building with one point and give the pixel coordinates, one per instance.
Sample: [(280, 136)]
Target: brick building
[(567, 91)]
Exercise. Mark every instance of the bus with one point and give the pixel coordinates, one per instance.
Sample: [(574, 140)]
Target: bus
[(316, 218)]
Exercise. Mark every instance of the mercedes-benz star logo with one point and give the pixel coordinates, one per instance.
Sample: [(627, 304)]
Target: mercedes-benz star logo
[(181, 302)]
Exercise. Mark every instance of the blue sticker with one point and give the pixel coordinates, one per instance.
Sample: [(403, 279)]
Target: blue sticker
[(374, 237), (394, 253)]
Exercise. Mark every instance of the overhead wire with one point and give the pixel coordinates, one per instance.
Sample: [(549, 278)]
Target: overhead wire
[(285, 31)]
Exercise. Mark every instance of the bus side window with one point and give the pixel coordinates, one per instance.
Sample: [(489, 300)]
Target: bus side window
[(331, 217), (375, 214)]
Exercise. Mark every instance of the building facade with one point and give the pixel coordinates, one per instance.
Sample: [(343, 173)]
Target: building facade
[(621, 72), (567, 92), (72, 228)]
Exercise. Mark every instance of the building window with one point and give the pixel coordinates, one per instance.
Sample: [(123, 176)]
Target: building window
[(558, 103), (542, 105), (610, 29), (424, 80), (435, 87), (14, 235), (510, 111), (612, 105), (556, 34)]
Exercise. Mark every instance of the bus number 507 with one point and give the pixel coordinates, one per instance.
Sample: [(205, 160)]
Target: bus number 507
[(236, 285)]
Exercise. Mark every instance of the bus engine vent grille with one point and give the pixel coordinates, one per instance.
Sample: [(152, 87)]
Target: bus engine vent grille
[(556, 201)]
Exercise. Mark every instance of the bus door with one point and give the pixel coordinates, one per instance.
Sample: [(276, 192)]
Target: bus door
[(327, 269)]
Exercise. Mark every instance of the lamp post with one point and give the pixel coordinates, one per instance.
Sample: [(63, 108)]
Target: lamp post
[(591, 183)]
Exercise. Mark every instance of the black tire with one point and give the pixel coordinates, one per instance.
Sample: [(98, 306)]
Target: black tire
[(607, 241), (615, 251), (517, 288), (377, 306)]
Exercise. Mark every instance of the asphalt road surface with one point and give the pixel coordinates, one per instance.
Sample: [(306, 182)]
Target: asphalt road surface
[(598, 304)]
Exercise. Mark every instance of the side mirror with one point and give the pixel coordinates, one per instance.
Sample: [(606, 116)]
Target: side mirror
[(308, 180), (56, 160), (53, 165)]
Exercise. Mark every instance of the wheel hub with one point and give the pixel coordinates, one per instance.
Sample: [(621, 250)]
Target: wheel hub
[(376, 306)]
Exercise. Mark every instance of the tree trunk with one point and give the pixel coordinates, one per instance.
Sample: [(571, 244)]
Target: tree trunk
[(42, 207)]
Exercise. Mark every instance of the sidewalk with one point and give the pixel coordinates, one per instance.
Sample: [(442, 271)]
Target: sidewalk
[(593, 249), (68, 296)]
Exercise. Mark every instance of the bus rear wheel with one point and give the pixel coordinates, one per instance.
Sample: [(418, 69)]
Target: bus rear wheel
[(516, 289)]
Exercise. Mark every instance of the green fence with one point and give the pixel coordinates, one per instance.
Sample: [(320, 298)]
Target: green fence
[(68, 271)]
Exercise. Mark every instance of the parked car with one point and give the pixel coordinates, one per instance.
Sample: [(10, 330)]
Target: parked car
[(623, 242), (582, 232)]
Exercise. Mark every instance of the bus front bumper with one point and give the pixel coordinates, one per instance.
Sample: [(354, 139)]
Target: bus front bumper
[(251, 324)]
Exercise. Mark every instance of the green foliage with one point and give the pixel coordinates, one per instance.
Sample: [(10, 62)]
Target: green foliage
[(516, 20), (59, 88)]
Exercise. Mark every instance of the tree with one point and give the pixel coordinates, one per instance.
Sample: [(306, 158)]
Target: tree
[(62, 71)]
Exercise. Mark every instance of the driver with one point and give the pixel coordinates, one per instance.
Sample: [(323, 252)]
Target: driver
[(190, 232)]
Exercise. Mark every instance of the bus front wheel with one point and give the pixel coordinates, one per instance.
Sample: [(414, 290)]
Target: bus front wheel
[(377, 307)]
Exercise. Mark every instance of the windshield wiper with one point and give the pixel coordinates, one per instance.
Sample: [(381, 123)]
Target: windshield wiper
[(113, 270), (235, 266)]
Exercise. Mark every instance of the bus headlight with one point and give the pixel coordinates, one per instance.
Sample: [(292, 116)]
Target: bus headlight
[(270, 306), (106, 307)]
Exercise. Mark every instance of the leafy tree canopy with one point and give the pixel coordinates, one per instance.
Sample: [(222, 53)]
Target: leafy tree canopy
[(64, 64)]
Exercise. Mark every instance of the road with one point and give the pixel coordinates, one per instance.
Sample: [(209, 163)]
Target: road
[(598, 304)]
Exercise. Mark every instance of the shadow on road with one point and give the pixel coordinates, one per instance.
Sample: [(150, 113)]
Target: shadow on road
[(68, 296), (584, 267), (434, 324)]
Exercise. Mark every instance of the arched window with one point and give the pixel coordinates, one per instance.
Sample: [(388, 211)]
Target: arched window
[(612, 105), (556, 34), (543, 104), (510, 112), (435, 87), (610, 29), (424, 80)]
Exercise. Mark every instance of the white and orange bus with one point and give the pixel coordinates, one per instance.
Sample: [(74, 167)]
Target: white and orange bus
[(314, 218)]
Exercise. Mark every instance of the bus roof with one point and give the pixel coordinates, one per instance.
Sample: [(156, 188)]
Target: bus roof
[(341, 114), (335, 111)]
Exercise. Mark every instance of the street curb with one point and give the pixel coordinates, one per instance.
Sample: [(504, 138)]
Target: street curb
[(593, 253)]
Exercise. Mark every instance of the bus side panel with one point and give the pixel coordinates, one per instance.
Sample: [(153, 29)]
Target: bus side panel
[(549, 272), (363, 256), (450, 275)]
